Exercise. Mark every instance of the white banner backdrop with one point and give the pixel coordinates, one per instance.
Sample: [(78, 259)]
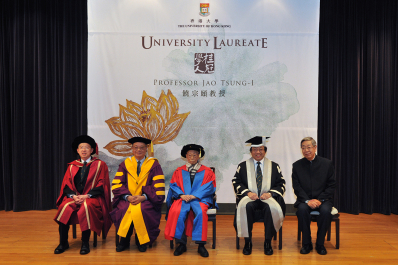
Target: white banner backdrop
[(214, 73)]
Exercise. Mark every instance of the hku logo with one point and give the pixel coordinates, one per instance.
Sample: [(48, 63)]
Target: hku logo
[(204, 9), (204, 63)]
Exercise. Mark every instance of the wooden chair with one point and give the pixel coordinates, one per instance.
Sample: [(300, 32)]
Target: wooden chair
[(258, 218), (211, 213), (335, 219)]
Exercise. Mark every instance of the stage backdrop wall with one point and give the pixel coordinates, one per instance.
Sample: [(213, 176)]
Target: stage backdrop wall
[(214, 73)]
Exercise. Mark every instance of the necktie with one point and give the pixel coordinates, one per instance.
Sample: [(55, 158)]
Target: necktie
[(138, 168), (259, 178), (83, 171)]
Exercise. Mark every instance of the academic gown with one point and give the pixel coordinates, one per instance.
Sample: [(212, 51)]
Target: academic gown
[(146, 215), (203, 188), (244, 182), (93, 214)]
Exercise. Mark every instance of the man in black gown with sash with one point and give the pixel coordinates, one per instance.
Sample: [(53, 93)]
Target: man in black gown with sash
[(259, 187)]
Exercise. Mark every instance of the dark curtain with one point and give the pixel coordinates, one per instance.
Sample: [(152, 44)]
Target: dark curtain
[(43, 94), (358, 102)]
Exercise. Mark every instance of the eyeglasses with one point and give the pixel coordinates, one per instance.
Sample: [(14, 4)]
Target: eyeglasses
[(139, 148), (306, 148), (84, 148), (260, 149)]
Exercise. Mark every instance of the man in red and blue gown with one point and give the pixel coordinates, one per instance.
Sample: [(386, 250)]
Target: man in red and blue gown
[(191, 192)]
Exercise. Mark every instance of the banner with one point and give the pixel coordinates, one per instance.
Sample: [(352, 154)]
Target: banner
[(213, 73)]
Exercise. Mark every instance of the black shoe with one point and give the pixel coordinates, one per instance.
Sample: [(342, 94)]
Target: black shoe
[(180, 249), (321, 249), (61, 248), (122, 247), (247, 249), (85, 249), (306, 249), (268, 249), (142, 248), (203, 251)]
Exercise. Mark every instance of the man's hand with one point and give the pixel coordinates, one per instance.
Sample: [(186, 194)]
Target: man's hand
[(314, 203), (136, 199), (76, 199), (265, 196), (252, 196), (187, 198), (79, 199)]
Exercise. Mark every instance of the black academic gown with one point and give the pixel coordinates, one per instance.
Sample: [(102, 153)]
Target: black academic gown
[(277, 189)]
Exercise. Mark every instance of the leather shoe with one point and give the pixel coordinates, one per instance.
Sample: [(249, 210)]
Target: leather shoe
[(121, 247), (321, 249), (268, 249), (247, 249), (180, 249), (203, 251), (142, 248), (85, 249), (61, 248), (306, 249)]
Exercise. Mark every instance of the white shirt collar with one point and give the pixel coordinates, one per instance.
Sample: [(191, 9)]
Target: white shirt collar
[(142, 160), (88, 160)]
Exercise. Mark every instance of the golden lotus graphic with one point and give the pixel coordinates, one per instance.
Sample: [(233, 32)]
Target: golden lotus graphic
[(157, 120)]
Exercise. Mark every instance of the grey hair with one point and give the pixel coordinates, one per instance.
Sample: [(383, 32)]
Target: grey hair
[(313, 142)]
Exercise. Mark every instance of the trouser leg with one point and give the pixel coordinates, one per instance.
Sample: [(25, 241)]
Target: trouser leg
[(304, 222), (126, 240), (250, 212), (86, 235), (183, 239), (63, 232), (324, 220), (269, 229)]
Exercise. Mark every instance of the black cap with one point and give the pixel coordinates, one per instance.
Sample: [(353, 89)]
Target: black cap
[(139, 140), (84, 139), (194, 147), (257, 141)]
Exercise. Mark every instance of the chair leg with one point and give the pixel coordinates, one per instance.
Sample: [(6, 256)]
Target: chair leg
[(280, 238), (95, 239), (276, 233), (172, 244), (237, 242), (337, 233), (214, 234), (74, 231)]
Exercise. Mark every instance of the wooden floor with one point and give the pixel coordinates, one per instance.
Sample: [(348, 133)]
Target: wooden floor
[(31, 237)]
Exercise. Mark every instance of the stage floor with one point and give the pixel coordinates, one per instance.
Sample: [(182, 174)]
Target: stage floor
[(31, 237)]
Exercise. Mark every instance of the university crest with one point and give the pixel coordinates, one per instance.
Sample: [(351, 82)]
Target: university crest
[(204, 9)]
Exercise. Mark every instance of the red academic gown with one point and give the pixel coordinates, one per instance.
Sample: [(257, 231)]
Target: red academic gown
[(93, 214)]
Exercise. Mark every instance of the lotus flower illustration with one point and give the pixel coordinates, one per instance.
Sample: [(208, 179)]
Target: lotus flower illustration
[(157, 120)]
